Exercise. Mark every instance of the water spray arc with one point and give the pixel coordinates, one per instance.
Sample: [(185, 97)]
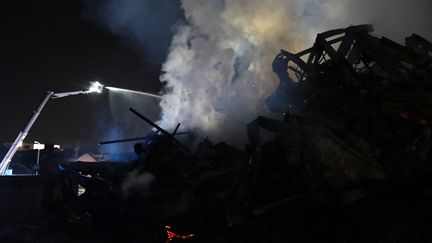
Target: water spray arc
[(115, 89)]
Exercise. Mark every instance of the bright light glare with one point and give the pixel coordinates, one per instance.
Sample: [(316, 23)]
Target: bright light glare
[(133, 91), (38, 146), (95, 87)]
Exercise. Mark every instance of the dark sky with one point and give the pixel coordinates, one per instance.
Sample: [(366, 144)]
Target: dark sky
[(60, 46)]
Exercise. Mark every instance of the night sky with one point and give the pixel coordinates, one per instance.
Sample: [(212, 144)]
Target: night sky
[(61, 46)]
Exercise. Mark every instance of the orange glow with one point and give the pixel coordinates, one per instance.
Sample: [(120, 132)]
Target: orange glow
[(171, 235)]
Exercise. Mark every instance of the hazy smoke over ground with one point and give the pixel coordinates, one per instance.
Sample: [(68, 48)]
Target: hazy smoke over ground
[(218, 70), (137, 182), (125, 124)]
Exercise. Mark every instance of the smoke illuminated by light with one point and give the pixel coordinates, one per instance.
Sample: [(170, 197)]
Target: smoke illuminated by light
[(133, 92), (218, 70), (95, 87)]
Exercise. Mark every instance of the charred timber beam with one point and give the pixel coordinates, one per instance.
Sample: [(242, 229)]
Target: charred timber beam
[(163, 131), (175, 130), (122, 140), (302, 64)]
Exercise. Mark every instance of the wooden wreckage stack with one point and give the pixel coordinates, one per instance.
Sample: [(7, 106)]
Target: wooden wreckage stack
[(350, 160)]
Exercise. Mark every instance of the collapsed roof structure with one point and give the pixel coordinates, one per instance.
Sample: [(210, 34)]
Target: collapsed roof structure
[(369, 90), (353, 61)]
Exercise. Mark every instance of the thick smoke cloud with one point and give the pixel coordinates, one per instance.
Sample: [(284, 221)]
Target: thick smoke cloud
[(218, 70), (147, 23), (394, 19)]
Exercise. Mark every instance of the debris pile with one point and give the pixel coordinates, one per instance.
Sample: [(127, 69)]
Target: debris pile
[(356, 128), (374, 94), (350, 160)]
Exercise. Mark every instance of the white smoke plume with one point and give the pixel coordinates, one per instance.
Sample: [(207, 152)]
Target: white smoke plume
[(137, 182), (218, 70)]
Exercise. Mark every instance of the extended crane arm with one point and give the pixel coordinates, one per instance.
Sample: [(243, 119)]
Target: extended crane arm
[(21, 136), (95, 87)]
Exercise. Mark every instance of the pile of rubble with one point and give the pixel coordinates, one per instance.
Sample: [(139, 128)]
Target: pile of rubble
[(349, 161)]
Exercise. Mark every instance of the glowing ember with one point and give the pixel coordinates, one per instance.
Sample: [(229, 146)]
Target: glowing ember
[(171, 235)]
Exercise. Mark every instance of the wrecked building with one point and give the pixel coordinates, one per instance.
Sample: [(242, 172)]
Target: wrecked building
[(350, 160)]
